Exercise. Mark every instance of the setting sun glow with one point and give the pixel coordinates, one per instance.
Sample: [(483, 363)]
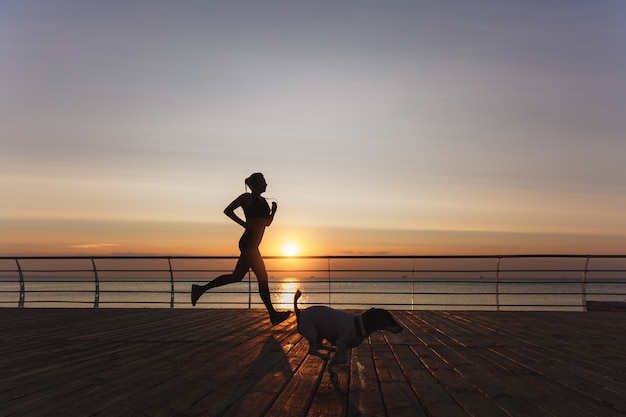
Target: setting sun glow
[(290, 249)]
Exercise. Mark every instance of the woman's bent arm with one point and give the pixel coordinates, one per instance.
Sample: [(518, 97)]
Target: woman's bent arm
[(241, 201)]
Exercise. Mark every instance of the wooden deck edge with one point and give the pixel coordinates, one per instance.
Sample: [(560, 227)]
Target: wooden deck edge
[(616, 306)]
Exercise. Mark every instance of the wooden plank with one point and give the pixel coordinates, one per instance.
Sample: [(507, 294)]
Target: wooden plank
[(212, 387), (615, 306), (553, 396), (364, 398), (432, 395), (398, 396), (332, 393), (528, 360), (470, 396), (507, 398), (561, 352), (260, 397), (560, 381), (297, 395)]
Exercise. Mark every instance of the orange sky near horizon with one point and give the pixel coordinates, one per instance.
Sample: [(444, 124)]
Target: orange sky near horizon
[(396, 128), (86, 238)]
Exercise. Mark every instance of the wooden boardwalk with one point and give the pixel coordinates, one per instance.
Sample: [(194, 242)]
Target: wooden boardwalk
[(200, 362)]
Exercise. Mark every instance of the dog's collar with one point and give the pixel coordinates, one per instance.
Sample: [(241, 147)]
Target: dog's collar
[(359, 325)]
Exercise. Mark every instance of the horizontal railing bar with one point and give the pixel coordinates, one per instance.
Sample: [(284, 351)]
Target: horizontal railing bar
[(319, 270), (486, 280), (322, 256), (342, 271), (323, 270)]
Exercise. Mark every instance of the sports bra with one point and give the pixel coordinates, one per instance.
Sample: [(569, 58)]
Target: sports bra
[(258, 209)]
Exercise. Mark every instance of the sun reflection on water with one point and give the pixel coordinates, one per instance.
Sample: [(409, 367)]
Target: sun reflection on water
[(283, 295)]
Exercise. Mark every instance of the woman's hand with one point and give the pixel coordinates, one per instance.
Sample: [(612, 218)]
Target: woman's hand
[(270, 219)]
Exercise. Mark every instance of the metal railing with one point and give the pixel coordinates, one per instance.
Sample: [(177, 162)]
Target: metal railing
[(481, 282)]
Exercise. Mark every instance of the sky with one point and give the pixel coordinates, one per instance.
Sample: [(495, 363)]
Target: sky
[(382, 127)]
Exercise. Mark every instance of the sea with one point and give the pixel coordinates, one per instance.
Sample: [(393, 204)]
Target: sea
[(345, 293)]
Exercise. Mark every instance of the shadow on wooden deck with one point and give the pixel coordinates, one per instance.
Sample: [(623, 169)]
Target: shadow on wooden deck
[(199, 362)]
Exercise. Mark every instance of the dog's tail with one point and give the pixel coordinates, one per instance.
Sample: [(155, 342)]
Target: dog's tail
[(295, 303)]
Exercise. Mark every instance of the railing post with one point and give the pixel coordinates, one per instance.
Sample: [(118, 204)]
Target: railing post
[(498, 284), (584, 285), (328, 266), (96, 300), (249, 290), (169, 263), (20, 303), (413, 283)]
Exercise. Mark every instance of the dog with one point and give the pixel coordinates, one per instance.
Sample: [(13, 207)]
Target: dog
[(342, 329)]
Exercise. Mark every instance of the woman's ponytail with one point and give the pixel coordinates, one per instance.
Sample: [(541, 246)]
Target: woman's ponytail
[(252, 179)]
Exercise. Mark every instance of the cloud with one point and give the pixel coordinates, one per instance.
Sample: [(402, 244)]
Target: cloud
[(94, 245)]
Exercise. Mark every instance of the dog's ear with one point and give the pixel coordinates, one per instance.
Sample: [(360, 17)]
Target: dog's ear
[(372, 310), (377, 312)]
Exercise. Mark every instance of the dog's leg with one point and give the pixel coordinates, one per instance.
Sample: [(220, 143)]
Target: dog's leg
[(341, 356), (313, 348), (310, 333), (326, 347), (314, 351)]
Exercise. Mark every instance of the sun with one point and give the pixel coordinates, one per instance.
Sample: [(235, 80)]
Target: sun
[(290, 248)]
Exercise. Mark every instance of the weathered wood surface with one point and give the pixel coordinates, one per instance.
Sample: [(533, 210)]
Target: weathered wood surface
[(606, 306), (199, 362)]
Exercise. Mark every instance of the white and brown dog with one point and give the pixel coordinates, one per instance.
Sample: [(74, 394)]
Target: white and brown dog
[(342, 329)]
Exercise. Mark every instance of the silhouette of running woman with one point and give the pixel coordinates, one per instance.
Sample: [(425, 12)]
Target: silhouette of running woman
[(258, 216)]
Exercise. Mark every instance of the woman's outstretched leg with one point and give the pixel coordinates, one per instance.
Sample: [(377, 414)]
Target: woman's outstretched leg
[(257, 264), (240, 271)]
